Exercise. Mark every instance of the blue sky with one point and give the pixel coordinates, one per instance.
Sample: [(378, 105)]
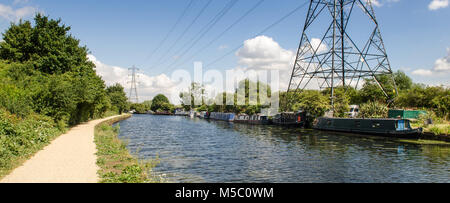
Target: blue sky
[(124, 33)]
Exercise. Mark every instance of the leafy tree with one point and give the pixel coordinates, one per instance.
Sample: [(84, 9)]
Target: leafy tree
[(421, 96), (341, 103), (402, 81), (202, 108), (158, 103), (194, 97), (53, 71), (118, 98), (148, 105), (371, 91), (139, 108), (48, 45), (313, 102)]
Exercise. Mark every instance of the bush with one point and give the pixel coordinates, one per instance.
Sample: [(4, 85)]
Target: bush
[(373, 110), (22, 137)]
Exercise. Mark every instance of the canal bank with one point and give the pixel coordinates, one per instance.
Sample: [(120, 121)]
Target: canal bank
[(197, 150), (116, 163), (70, 158)]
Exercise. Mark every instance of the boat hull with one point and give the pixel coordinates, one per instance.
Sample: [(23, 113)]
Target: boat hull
[(376, 127)]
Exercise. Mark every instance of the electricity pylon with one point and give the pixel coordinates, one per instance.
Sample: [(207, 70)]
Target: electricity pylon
[(341, 45), (134, 98)]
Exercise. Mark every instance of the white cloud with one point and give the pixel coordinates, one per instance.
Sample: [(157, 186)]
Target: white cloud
[(148, 87), (318, 45), (380, 3), (11, 14), (438, 4), (422, 72), (375, 3), (263, 52), (441, 67)]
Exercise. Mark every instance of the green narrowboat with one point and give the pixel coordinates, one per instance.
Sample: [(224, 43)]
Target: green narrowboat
[(398, 128)]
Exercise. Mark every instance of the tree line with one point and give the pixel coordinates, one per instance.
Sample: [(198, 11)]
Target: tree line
[(45, 71), (401, 92)]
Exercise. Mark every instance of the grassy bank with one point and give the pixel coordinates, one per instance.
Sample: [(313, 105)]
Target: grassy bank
[(21, 138), (439, 130), (116, 163)]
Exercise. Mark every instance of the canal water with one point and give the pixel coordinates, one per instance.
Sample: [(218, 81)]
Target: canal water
[(195, 150)]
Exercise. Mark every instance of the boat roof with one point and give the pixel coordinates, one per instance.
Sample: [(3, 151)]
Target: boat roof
[(379, 119)]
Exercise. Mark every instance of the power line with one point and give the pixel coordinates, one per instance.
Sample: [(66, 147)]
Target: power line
[(183, 33), (260, 33), (206, 29), (225, 31), (172, 29)]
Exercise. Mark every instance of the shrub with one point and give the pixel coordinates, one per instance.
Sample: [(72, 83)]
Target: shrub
[(22, 137), (373, 110)]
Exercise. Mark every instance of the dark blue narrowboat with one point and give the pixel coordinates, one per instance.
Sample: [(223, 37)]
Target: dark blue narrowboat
[(398, 128)]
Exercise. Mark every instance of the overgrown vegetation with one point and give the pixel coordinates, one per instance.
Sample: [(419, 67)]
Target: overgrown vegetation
[(21, 137), (373, 109), (47, 84), (116, 163)]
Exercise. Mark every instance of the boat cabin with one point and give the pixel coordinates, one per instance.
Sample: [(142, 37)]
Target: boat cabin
[(387, 127), (290, 119)]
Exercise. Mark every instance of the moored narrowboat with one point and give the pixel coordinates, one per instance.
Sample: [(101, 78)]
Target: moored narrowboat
[(242, 118), (259, 119), (399, 128), (222, 116), (290, 119)]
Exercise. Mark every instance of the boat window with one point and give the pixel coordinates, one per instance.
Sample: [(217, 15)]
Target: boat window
[(376, 125), (358, 124), (329, 122)]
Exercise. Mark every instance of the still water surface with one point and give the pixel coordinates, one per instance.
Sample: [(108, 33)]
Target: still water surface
[(194, 150)]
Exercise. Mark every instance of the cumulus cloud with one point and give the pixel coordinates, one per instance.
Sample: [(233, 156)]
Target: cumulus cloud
[(148, 86), (438, 4), (441, 67), (11, 14), (380, 3), (263, 53), (375, 3), (318, 45), (422, 72)]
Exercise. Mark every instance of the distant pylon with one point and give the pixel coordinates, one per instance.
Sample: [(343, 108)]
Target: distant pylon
[(134, 98), (339, 47)]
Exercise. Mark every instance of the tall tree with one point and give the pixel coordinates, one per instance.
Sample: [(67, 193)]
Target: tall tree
[(117, 96)]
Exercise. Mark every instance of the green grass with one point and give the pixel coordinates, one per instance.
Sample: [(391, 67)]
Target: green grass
[(424, 142), (116, 163), (21, 138), (439, 129)]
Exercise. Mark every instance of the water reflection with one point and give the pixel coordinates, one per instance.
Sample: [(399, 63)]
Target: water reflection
[(194, 150)]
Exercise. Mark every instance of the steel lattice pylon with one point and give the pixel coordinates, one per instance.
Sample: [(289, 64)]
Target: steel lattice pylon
[(335, 59), (133, 89)]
